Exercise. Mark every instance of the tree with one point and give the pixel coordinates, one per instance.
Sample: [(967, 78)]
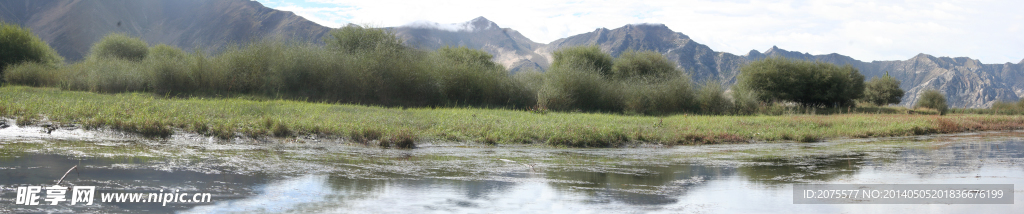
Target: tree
[(808, 83), (882, 91), (933, 99), (18, 45)]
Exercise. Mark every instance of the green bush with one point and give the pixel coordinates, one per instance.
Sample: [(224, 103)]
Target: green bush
[(670, 95), (776, 79), (120, 46), (166, 52), (712, 99), (18, 45), (582, 78), (34, 74), (933, 99), (648, 64), (354, 39), (1002, 107), (744, 101), (531, 81), (883, 91), (583, 57), (574, 88), (469, 77)]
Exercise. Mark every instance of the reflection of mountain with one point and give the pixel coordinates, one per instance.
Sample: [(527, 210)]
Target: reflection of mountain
[(636, 185), (958, 158), (783, 171)]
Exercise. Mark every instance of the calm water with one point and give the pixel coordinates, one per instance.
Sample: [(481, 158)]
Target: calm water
[(312, 178)]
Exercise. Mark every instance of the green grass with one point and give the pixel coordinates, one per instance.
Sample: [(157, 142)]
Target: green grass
[(156, 116)]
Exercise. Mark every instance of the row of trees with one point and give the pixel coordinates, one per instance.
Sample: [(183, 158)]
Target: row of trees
[(819, 84), (371, 66)]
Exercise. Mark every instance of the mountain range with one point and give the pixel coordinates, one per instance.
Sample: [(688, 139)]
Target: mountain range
[(72, 26)]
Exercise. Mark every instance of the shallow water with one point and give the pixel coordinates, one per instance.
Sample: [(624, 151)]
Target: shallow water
[(442, 178)]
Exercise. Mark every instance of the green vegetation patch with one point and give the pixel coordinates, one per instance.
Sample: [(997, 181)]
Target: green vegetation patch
[(396, 127)]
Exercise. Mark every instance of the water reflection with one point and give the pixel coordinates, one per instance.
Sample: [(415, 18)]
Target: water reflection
[(776, 171), (115, 175), (593, 181), (636, 185)]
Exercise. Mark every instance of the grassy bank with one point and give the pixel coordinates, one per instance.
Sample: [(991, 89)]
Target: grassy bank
[(156, 116)]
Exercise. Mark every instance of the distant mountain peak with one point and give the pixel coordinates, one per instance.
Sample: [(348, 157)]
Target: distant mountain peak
[(477, 24), (923, 56), (481, 23)]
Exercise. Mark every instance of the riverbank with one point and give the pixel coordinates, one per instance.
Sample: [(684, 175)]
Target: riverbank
[(230, 118)]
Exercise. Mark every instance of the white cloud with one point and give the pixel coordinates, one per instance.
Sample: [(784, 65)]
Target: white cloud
[(868, 30)]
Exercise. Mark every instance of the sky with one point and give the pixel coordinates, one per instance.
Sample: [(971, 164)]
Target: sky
[(989, 30)]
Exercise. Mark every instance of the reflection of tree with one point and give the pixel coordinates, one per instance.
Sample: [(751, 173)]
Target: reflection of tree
[(774, 171), (639, 185), (363, 188)]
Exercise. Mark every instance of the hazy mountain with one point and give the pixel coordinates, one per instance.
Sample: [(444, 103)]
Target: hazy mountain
[(72, 26), (966, 82), (697, 59), (509, 47)]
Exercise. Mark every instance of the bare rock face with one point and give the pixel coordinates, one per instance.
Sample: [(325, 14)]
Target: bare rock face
[(698, 60), (72, 26), (966, 82), (508, 47)]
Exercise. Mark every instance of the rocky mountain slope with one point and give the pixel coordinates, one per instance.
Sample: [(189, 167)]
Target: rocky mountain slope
[(966, 82), (72, 26), (509, 47)]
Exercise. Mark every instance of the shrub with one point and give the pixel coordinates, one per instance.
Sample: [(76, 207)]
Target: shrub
[(163, 51), (574, 88), (154, 129), (882, 91), (712, 100), (281, 130), (744, 101), (120, 46), (469, 77), (808, 83), (584, 58), (674, 94), (34, 74), (650, 64), (401, 140), (531, 81), (18, 45), (933, 99), (354, 39), (581, 78), (1003, 107)]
